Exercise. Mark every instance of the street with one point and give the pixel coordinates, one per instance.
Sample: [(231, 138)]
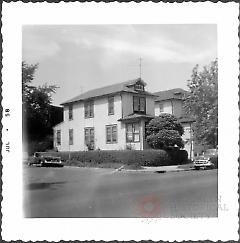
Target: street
[(89, 192)]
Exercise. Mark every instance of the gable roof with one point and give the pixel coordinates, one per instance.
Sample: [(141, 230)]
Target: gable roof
[(177, 94), (106, 90)]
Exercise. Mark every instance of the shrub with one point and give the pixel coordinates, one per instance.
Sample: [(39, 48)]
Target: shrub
[(181, 156), (127, 157), (164, 139), (164, 122), (164, 131), (214, 160)]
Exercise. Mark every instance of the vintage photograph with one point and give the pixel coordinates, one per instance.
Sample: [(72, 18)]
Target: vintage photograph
[(120, 121)]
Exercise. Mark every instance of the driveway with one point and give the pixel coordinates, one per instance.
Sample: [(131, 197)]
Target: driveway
[(88, 192)]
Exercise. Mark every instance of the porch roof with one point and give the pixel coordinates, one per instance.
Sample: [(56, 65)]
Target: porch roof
[(186, 119), (135, 117)]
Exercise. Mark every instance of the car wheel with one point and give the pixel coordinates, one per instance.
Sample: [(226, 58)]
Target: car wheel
[(197, 168)]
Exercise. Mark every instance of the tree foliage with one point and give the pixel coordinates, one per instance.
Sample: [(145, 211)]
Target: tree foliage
[(164, 131), (202, 103), (36, 104)]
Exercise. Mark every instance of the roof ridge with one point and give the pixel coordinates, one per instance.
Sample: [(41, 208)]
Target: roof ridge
[(167, 90)]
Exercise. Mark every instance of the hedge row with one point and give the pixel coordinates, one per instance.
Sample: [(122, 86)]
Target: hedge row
[(127, 157)]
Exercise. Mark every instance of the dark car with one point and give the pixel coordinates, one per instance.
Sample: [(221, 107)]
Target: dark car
[(46, 160), (209, 159)]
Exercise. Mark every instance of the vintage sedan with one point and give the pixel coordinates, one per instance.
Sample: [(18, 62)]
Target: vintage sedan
[(46, 160), (209, 159)]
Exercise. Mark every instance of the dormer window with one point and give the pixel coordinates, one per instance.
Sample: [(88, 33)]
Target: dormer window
[(139, 87)]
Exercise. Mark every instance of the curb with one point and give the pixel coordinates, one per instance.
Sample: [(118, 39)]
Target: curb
[(160, 171)]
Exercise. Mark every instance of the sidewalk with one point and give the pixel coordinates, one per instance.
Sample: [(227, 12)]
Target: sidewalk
[(163, 169)]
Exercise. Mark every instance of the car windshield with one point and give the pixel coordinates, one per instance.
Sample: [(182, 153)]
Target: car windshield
[(211, 152), (55, 159)]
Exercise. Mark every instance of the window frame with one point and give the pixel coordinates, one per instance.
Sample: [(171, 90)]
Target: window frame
[(111, 127), (70, 112), (89, 109), (58, 137), (139, 104), (89, 129), (161, 107), (111, 105), (133, 132), (139, 87), (70, 136)]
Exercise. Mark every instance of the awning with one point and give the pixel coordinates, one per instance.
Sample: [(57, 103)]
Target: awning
[(136, 117)]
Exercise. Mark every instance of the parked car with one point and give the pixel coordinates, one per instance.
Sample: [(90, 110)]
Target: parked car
[(209, 159), (46, 161)]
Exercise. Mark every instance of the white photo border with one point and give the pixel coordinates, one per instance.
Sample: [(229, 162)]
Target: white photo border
[(15, 226)]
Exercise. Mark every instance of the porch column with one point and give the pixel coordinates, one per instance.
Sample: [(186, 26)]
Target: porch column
[(142, 136)]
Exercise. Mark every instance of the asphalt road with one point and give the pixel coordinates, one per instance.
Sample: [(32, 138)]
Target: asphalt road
[(84, 192)]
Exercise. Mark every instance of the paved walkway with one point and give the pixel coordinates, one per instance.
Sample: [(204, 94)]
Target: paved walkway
[(163, 169)]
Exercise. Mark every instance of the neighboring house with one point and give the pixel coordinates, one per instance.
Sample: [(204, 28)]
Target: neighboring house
[(171, 101), (108, 118)]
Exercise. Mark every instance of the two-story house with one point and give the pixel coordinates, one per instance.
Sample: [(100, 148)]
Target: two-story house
[(171, 101), (108, 118)]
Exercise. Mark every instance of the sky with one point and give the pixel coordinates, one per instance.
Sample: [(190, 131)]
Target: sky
[(78, 58)]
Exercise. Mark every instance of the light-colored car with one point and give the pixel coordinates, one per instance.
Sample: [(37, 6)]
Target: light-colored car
[(207, 160), (51, 161)]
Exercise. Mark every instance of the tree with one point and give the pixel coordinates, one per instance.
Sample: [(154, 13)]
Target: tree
[(36, 105), (164, 131), (202, 103)]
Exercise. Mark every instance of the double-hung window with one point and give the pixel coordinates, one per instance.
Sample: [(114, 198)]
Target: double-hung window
[(58, 137), (111, 133), (139, 104), (132, 132), (88, 107), (70, 136), (89, 136), (70, 112), (111, 105)]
